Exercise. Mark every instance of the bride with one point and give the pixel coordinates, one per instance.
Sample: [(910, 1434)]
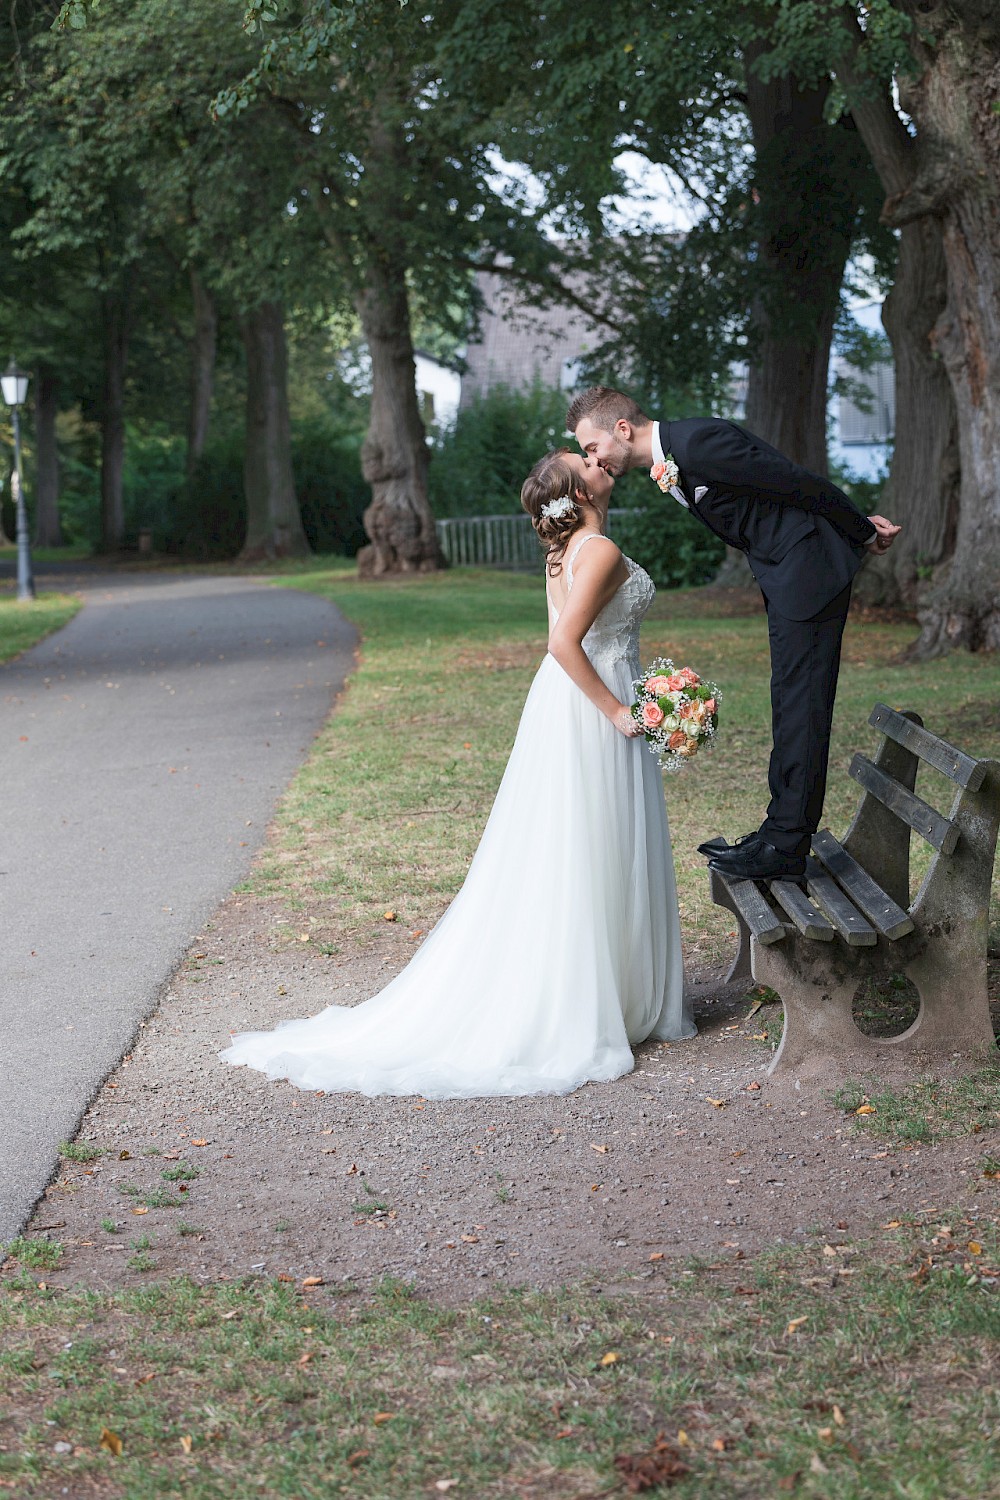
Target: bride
[(562, 949)]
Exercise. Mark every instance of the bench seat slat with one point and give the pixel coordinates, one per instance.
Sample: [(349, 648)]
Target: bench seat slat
[(881, 910), (807, 918), (855, 929), (939, 832), (763, 922), (953, 763)]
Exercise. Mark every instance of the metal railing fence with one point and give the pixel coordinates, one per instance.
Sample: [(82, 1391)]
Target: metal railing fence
[(497, 541)]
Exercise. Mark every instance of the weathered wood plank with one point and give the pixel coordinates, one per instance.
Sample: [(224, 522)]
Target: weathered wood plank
[(930, 747), (939, 832), (763, 922), (855, 929), (881, 910), (793, 900)]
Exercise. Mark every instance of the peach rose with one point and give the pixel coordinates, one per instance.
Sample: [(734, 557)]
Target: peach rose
[(688, 678), (689, 748), (678, 740), (652, 716), (675, 682), (657, 686), (710, 705), (657, 471)]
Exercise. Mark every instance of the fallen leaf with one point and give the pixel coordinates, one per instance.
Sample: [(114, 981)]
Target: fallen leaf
[(796, 1323), (826, 1433), (305, 1359), (187, 1443), (717, 1103), (388, 916), (893, 1224), (719, 1445), (611, 1358), (565, 1432), (199, 1142), (112, 1442), (789, 1481), (865, 1109), (312, 1281), (656, 1255), (974, 1247), (660, 1466), (358, 1457), (753, 1088), (445, 1484), (124, 1156), (838, 1416), (470, 1239), (601, 1150), (383, 1416), (140, 1210), (817, 1465)]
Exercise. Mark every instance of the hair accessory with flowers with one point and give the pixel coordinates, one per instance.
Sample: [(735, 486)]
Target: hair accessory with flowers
[(666, 473), (556, 509), (678, 711)]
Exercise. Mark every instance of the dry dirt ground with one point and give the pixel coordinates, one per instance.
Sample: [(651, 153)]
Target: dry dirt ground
[(695, 1153)]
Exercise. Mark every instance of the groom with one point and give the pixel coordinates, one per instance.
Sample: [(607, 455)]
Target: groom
[(804, 541)]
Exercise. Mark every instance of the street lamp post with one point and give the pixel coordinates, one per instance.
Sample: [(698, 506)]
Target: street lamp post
[(15, 389)]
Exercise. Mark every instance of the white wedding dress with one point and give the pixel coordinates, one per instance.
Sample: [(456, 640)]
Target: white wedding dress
[(562, 949)]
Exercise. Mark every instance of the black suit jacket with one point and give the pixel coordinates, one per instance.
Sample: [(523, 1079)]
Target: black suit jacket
[(802, 536)]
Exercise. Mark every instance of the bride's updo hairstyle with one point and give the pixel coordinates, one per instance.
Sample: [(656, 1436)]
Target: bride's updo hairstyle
[(549, 496)]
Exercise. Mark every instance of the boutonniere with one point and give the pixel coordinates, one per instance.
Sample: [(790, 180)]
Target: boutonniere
[(666, 474)]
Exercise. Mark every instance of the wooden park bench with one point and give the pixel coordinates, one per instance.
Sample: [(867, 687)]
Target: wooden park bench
[(853, 920)]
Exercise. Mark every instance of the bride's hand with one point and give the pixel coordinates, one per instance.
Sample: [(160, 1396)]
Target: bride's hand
[(626, 724)]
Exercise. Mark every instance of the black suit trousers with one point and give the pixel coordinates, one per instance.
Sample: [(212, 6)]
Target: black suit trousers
[(805, 662)]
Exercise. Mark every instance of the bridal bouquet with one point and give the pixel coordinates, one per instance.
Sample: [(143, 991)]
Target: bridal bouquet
[(678, 711)]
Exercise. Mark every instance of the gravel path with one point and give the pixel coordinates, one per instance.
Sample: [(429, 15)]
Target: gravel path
[(694, 1153)]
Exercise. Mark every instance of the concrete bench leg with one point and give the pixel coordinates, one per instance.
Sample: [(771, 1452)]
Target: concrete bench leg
[(817, 984)]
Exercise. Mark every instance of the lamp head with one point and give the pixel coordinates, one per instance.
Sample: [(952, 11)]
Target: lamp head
[(15, 385)]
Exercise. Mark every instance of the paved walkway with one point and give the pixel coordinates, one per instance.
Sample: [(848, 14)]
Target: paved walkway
[(142, 751)]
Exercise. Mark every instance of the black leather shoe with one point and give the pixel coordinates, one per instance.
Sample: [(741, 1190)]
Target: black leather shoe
[(722, 846), (762, 862)]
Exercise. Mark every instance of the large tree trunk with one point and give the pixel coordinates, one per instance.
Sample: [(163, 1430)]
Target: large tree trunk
[(115, 312), (807, 178), (202, 369), (394, 455), (923, 484), (48, 532), (953, 104), (274, 522)]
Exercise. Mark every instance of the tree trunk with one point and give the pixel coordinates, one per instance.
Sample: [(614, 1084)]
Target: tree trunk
[(923, 484), (202, 369), (394, 456), (115, 314), (807, 175), (953, 106), (48, 532), (274, 523), (807, 178)]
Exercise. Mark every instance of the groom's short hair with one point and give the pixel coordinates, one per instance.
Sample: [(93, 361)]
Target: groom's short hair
[(604, 406)]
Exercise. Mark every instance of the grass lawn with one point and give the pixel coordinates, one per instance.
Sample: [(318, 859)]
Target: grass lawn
[(390, 806), (837, 1371), (24, 625)]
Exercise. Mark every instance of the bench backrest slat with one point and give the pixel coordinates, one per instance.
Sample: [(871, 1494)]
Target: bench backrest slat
[(936, 752), (938, 830)]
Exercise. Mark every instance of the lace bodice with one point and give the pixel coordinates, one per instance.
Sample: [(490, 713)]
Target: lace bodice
[(614, 635)]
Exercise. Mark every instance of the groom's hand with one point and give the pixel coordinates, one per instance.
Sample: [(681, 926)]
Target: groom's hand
[(885, 534)]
